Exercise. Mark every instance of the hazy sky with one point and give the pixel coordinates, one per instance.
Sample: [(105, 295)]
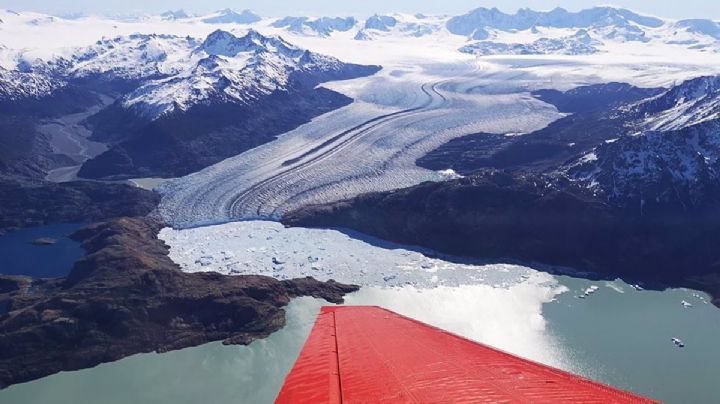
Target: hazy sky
[(662, 8)]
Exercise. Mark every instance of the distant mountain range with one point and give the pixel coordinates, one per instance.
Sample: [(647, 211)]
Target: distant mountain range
[(168, 78), (158, 77), (489, 31), (171, 73), (323, 26), (482, 27)]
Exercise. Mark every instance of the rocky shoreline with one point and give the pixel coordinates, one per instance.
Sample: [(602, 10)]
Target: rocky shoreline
[(126, 297)]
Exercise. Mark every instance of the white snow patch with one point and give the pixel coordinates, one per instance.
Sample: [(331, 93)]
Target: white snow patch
[(449, 174), (589, 157)]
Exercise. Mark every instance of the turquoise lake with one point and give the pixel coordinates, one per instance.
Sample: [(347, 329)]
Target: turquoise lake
[(618, 335)]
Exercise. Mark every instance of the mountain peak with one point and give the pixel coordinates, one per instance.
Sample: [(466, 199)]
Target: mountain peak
[(380, 22), (230, 16), (703, 27), (221, 42), (686, 104), (174, 15), (224, 43), (323, 26)]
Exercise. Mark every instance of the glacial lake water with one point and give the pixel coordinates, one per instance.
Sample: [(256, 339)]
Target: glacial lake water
[(21, 257), (617, 335)]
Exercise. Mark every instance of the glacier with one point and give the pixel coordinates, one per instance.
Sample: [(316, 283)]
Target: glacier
[(370, 145)]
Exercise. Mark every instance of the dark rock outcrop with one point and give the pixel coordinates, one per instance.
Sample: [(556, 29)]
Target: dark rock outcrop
[(25, 203), (125, 297)]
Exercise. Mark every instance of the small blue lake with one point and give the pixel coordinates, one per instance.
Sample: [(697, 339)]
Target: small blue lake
[(20, 256)]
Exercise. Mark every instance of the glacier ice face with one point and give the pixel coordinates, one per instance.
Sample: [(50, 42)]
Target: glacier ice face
[(504, 300)]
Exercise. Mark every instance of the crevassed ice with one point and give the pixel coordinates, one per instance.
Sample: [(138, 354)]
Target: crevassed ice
[(370, 145)]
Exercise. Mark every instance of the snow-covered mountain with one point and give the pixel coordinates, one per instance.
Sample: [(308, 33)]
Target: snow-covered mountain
[(671, 152), (182, 103), (226, 68), (16, 85), (379, 26), (703, 27), (552, 32), (167, 73), (323, 26), (134, 57), (174, 15), (523, 32), (694, 101), (476, 23), (579, 43), (230, 16)]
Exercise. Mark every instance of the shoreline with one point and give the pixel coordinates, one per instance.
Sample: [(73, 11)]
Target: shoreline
[(126, 296)]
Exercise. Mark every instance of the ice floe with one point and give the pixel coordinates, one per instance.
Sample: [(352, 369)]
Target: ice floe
[(268, 248)]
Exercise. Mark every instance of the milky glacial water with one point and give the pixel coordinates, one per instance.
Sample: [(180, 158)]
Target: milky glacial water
[(622, 339), (617, 335), (622, 336)]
